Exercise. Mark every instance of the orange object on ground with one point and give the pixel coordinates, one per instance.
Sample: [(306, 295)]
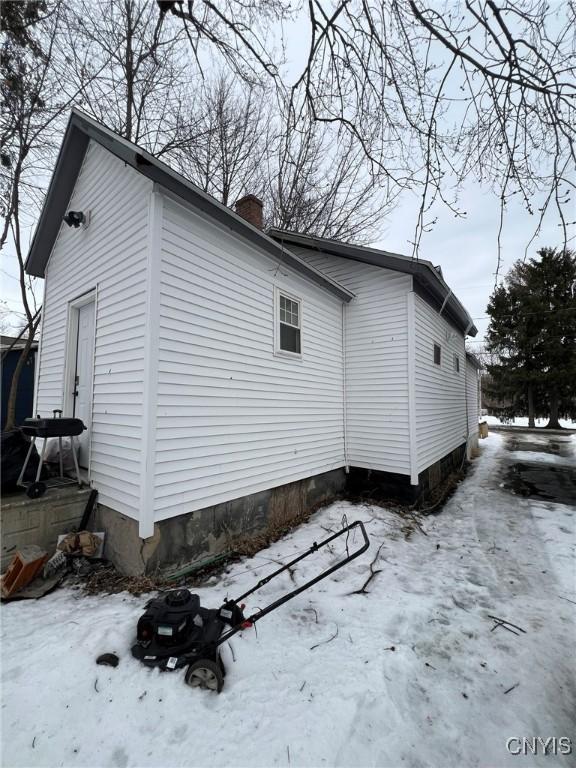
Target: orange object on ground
[(25, 565)]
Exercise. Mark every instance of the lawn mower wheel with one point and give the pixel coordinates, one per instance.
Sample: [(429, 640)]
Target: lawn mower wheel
[(205, 673)]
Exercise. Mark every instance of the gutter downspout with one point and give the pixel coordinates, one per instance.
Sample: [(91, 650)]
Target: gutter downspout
[(468, 455), (466, 402), (445, 302), (466, 392), (344, 393)]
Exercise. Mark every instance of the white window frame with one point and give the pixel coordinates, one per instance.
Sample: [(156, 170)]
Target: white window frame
[(434, 345), (457, 367), (277, 349)]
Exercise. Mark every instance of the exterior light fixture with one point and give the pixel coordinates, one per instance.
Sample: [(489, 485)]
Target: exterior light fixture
[(75, 218)]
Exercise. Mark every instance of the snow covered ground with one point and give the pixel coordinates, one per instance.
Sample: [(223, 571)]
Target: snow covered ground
[(540, 458), (415, 674), (522, 421)]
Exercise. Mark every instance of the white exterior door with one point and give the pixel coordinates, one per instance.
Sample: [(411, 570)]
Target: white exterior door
[(83, 377)]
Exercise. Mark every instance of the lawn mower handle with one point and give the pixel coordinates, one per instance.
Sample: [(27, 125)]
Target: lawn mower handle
[(314, 548)]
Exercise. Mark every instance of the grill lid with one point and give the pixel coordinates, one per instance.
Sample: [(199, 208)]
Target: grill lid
[(60, 427)]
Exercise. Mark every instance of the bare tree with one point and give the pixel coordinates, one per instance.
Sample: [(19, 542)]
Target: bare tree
[(132, 71), (118, 61), (312, 177), (36, 95), (236, 31), (319, 183), (229, 138), (433, 93)]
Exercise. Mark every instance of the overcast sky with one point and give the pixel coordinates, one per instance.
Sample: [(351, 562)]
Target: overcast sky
[(466, 249)]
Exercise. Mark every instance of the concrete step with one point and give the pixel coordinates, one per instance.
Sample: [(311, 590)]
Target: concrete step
[(25, 521)]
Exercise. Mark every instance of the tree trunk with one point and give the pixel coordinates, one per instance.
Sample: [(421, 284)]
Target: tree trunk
[(531, 422), (11, 405), (553, 422)]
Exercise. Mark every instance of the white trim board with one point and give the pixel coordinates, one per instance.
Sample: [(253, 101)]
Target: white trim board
[(413, 447), (74, 305), (150, 394)]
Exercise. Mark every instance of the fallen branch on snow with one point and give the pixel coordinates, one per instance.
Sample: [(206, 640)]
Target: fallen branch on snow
[(417, 523), (459, 605), (567, 599), (325, 642), (373, 573), (505, 624)]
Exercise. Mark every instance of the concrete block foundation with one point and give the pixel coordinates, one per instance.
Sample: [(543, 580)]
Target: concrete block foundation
[(436, 474), (195, 536)]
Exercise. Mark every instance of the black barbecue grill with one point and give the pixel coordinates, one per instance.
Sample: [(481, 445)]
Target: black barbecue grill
[(46, 428), (62, 427)]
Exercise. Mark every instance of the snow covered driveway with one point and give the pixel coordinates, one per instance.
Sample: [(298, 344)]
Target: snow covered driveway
[(415, 674)]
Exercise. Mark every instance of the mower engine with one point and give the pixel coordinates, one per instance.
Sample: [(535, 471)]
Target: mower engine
[(175, 629)]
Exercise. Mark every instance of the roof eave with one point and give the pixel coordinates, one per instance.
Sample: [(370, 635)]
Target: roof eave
[(60, 189), (471, 357), (80, 130), (423, 270)]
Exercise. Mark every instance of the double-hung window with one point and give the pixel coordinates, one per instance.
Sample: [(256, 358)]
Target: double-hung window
[(288, 324)]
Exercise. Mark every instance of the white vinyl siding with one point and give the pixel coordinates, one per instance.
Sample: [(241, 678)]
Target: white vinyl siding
[(233, 418), (472, 397), (377, 428), (109, 256), (439, 389)]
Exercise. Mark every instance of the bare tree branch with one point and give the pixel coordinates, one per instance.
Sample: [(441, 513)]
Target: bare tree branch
[(500, 109)]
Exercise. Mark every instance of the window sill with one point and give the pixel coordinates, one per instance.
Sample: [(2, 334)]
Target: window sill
[(287, 355)]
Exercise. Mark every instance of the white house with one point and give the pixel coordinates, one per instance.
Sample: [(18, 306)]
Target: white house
[(227, 375), (473, 402)]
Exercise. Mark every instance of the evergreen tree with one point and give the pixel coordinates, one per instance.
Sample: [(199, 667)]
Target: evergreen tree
[(533, 332)]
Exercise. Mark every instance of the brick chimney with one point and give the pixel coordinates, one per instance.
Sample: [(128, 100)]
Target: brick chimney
[(250, 208)]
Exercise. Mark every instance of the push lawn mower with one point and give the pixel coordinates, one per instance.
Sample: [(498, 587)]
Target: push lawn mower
[(176, 631)]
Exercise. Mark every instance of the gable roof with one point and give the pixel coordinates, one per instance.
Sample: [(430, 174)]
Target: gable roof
[(80, 131), (428, 278)]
